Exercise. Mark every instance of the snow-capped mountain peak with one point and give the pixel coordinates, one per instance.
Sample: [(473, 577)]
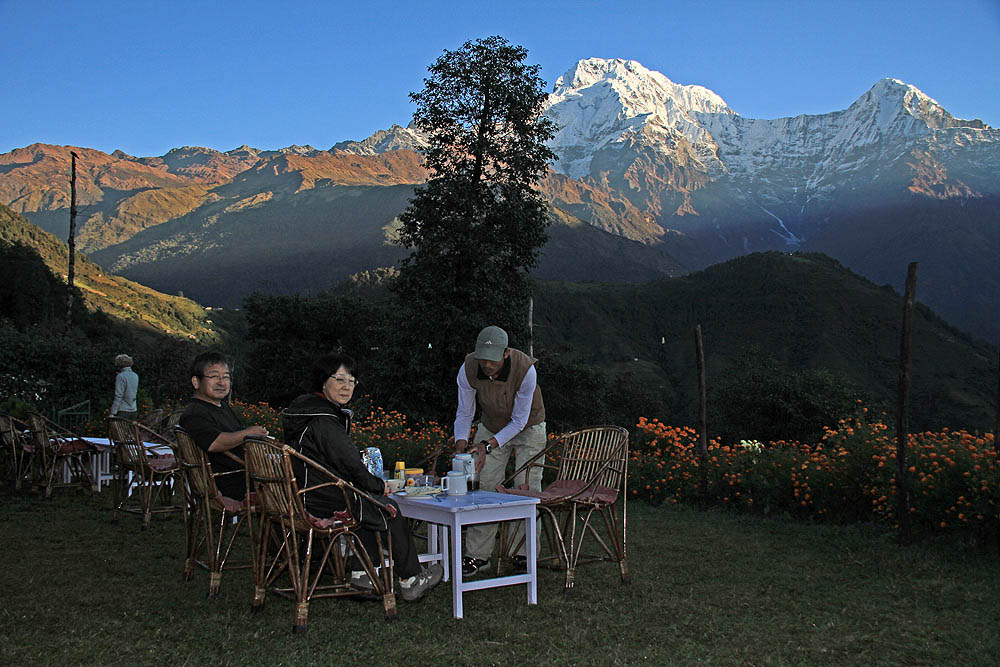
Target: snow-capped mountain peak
[(395, 138), (902, 107), (599, 103), (641, 90)]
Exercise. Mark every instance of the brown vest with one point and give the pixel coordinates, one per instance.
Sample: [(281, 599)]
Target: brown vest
[(496, 397)]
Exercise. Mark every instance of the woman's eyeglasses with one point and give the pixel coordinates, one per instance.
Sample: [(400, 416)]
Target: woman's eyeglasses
[(339, 379)]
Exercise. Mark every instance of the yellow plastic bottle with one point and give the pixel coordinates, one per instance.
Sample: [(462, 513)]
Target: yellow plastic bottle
[(400, 470)]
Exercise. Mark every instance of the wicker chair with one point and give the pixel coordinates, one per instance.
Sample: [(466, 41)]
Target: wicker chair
[(153, 419), (290, 540), (208, 517), (17, 449), (54, 447), (591, 470), (143, 478)]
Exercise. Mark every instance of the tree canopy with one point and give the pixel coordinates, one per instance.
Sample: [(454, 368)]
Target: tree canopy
[(478, 224)]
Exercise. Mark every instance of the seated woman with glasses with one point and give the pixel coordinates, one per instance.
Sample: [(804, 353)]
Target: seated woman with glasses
[(318, 425)]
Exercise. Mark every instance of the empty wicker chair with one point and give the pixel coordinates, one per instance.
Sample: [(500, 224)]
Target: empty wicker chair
[(145, 481), (17, 450), (55, 447), (208, 517), (591, 472), (290, 540), (153, 419)]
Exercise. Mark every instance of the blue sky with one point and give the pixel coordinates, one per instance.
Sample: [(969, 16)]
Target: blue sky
[(145, 77)]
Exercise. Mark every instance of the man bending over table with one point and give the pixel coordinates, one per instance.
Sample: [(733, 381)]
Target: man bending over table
[(503, 381), (213, 426)]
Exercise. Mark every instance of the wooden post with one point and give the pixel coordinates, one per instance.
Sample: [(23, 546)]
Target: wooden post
[(71, 271), (531, 326), (902, 408), (702, 414)]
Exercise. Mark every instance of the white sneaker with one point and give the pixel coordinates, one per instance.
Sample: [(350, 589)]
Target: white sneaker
[(360, 579), (413, 588)]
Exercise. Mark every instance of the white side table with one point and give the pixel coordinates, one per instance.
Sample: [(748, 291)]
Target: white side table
[(447, 514)]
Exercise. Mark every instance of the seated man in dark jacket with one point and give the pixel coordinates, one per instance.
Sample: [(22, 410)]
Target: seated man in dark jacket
[(318, 425), (213, 426)]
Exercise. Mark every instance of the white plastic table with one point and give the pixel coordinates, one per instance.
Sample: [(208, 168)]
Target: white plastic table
[(447, 514), (102, 471)]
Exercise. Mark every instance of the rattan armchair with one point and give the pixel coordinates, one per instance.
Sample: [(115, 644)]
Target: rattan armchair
[(144, 479), (291, 541), (55, 447), (210, 531), (17, 450), (591, 467)]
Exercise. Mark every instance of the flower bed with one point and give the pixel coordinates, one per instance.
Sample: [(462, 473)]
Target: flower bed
[(850, 475)]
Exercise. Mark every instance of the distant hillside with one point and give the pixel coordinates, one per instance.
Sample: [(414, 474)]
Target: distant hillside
[(805, 310), (938, 234), (116, 296)]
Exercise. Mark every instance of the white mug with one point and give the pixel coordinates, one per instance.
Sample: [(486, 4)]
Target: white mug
[(455, 483)]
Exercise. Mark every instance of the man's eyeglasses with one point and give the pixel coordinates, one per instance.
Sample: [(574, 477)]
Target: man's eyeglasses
[(339, 379), (213, 378)]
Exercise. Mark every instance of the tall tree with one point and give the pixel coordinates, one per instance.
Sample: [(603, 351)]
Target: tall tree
[(478, 224)]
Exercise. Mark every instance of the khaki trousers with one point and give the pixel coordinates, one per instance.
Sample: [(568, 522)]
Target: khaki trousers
[(479, 538)]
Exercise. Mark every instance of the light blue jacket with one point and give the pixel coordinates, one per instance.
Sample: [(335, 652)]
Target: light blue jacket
[(126, 385)]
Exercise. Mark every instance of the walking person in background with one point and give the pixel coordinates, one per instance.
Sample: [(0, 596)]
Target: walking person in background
[(504, 383), (126, 386)]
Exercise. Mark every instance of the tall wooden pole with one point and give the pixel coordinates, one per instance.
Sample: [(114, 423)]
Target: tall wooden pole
[(531, 326), (902, 409), (71, 272), (702, 414)]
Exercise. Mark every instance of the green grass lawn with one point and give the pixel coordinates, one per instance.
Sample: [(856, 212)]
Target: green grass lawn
[(708, 587)]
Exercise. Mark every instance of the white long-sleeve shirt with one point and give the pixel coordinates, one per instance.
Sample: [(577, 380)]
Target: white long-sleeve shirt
[(518, 419)]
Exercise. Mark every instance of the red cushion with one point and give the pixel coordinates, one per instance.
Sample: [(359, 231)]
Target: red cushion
[(230, 504), (562, 488), (74, 447), (338, 518), (162, 463), (236, 506)]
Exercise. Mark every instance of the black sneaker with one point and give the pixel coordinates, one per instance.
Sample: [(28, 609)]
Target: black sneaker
[(472, 566)]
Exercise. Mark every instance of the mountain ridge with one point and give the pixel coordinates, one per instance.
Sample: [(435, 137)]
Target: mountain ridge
[(118, 297), (663, 165)]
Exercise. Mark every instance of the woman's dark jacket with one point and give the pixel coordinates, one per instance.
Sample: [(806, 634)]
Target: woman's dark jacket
[(320, 430)]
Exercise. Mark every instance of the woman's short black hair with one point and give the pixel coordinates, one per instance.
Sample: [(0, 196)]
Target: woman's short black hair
[(326, 366)]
